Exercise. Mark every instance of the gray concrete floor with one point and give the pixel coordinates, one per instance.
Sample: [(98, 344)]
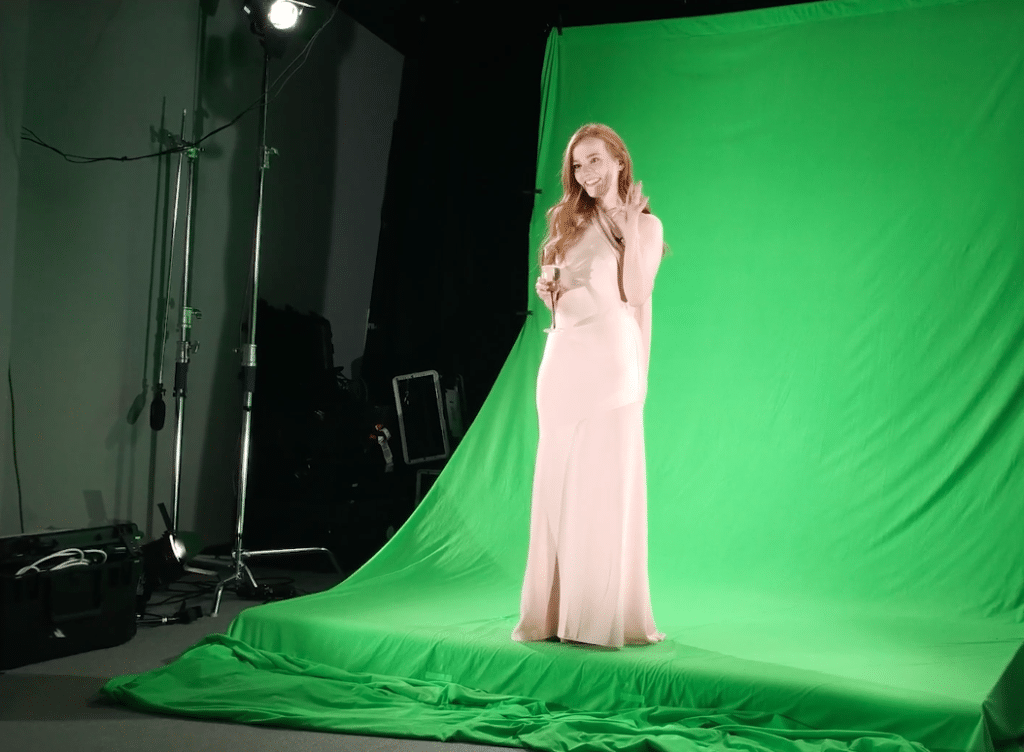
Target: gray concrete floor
[(54, 704)]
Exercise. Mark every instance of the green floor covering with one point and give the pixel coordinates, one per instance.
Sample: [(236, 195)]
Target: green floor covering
[(441, 665)]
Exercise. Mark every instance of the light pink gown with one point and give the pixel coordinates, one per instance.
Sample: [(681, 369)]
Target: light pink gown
[(586, 570)]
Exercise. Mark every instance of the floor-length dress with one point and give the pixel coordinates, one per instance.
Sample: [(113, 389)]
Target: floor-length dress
[(586, 572)]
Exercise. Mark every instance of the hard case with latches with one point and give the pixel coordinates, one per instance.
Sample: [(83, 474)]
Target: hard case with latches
[(55, 613)]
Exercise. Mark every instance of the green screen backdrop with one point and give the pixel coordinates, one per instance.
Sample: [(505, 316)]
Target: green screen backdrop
[(837, 372), (834, 421)]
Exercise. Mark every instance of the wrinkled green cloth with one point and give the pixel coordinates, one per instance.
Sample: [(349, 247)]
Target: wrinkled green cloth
[(223, 678)]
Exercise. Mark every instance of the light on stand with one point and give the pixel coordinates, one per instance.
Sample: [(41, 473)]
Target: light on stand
[(272, 21), (242, 580), (280, 14), (283, 14)]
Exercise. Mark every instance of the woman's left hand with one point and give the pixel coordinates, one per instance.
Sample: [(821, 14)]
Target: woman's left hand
[(634, 206)]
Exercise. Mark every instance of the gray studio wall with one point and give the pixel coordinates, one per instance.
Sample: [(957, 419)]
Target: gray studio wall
[(82, 247), (366, 112), (12, 81)]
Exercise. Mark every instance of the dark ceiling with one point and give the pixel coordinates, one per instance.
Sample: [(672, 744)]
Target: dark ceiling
[(407, 24)]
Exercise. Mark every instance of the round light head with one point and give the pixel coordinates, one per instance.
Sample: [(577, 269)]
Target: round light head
[(283, 14)]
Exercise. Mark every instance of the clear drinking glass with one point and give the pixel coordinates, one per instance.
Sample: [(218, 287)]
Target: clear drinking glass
[(551, 273)]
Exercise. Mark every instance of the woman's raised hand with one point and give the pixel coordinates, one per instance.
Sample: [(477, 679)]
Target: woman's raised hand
[(634, 205)]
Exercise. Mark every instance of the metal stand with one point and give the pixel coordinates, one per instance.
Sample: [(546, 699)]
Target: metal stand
[(185, 346), (157, 409), (242, 578)]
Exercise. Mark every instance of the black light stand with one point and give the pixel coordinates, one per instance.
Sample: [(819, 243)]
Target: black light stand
[(242, 579)]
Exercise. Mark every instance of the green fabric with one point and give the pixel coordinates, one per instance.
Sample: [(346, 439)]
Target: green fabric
[(306, 695), (845, 672), (834, 421)]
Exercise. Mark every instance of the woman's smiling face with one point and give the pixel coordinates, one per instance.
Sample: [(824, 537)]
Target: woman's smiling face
[(594, 168)]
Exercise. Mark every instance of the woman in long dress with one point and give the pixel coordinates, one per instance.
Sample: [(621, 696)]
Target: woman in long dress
[(586, 572)]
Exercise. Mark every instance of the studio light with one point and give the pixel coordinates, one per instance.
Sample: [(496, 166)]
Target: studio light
[(283, 15), (163, 562), (278, 14), (273, 22)]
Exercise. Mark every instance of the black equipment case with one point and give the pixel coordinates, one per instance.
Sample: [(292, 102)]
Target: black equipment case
[(51, 614)]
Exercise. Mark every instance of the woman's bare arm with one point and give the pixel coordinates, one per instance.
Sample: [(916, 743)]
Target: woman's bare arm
[(641, 258)]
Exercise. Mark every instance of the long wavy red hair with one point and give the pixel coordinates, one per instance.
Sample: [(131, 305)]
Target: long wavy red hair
[(569, 218)]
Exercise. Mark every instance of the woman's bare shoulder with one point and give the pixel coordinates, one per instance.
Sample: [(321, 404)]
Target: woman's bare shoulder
[(650, 222)]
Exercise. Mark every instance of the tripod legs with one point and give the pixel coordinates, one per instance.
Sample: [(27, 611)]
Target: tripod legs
[(243, 579)]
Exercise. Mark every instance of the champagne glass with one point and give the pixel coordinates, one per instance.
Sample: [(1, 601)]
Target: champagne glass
[(551, 273)]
